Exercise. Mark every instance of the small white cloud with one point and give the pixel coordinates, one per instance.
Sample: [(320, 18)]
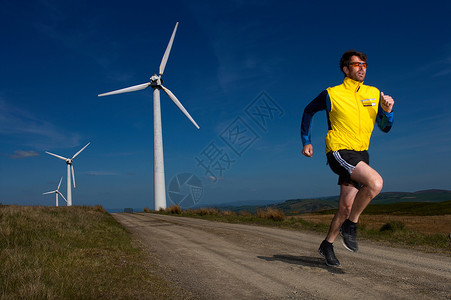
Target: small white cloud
[(444, 66), (443, 72), (18, 154)]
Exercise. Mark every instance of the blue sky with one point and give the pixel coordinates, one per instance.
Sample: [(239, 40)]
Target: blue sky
[(228, 59)]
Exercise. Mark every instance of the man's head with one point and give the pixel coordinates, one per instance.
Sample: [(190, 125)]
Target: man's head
[(353, 65)]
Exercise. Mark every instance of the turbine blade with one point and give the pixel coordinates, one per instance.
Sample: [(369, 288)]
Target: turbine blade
[(177, 102), (60, 183), (48, 193), (80, 150), (62, 196), (73, 174), (126, 90), (60, 157), (168, 50)]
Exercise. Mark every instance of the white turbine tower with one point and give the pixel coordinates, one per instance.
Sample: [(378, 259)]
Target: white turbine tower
[(70, 168), (156, 84), (56, 192)]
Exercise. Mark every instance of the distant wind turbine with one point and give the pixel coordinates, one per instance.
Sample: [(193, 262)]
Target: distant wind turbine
[(57, 192), (156, 84), (70, 168)]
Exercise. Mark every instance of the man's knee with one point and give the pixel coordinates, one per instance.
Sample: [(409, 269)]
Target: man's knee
[(378, 183), (344, 210), (375, 186)]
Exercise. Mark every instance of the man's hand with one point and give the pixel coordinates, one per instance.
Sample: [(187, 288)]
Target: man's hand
[(387, 102), (308, 150)]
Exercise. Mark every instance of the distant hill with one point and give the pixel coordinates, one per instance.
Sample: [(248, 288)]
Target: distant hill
[(420, 196), (410, 208), (299, 206)]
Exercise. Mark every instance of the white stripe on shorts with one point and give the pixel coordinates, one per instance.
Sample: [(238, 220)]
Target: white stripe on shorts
[(343, 162)]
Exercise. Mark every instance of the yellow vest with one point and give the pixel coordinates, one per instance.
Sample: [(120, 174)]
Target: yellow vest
[(352, 115)]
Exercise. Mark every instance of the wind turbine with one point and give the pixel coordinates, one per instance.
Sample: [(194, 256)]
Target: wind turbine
[(70, 168), (57, 192), (156, 84)]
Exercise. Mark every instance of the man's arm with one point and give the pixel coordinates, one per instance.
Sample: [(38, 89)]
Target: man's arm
[(318, 104), (384, 117)]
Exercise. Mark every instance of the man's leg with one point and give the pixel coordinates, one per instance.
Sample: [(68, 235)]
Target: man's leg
[(372, 182), (326, 249), (372, 185), (347, 195)]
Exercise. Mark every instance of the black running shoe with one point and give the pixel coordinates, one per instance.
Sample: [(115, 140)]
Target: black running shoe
[(348, 231), (326, 249)]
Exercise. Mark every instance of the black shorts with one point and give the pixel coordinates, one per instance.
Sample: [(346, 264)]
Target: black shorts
[(343, 162)]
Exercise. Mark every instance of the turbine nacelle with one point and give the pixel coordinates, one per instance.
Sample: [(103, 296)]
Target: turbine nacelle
[(156, 81)]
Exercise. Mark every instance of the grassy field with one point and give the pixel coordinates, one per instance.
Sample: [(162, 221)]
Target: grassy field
[(72, 253), (405, 209), (421, 224), (398, 225)]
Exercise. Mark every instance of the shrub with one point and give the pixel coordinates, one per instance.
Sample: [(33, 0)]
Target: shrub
[(245, 213), (209, 212), (147, 210), (229, 213), (174, 209), (393, 226), (271, 214)]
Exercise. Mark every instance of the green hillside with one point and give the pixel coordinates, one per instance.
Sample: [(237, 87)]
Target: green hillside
[(411, 208), (405, 209), (420, 196), (417, 203), (294, 207), (309, 205)]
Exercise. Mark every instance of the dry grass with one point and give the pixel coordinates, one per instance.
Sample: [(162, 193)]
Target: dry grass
[(271, 214), (99, 208), (174, 209), (71, 253), (229, 213), (205, 212), (245, 213), (423, 224), (429, 233)]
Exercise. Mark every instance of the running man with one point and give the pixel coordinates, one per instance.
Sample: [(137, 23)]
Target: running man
[(352, 109)]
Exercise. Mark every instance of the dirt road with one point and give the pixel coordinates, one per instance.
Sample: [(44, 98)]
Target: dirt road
[(214, 260)]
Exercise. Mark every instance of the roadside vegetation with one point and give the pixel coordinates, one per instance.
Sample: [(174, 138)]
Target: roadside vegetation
[(72, 253), (392, 232)]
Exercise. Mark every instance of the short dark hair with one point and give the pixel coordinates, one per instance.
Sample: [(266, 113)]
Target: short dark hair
[(346, 57)]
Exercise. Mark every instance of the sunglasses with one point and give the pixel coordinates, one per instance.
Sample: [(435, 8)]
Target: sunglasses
[(358, 64)]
